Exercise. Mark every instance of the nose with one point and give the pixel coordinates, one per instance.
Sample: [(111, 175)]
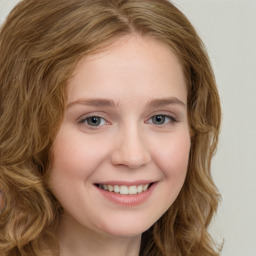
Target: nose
[(131, 149)]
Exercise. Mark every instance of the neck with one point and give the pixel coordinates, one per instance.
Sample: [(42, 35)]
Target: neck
[(77, 240)]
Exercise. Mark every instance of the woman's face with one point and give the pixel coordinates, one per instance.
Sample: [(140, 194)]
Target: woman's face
[(125, 129)]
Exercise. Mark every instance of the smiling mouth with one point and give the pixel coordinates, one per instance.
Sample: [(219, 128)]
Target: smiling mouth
[(125, 190)]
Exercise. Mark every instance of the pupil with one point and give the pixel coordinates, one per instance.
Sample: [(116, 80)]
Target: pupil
[(159, 119), (94, 121)]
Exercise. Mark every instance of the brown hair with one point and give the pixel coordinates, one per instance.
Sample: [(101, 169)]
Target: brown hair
[(41, 43)]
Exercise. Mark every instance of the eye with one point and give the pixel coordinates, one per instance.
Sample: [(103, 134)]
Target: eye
[(161, 119), (93, 121)]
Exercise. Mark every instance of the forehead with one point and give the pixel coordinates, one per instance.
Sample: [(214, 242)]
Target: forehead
[(131, 65)]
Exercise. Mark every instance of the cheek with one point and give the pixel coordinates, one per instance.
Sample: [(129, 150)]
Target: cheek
[(172, 157), (76, 156)]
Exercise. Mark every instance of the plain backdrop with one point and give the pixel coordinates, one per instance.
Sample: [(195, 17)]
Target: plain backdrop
[(228, 29)]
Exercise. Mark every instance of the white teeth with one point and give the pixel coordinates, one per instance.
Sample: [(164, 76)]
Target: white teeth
[(139, 189), (132, 190), (145, 187), (116, 189), (110, 188), (125, 190)]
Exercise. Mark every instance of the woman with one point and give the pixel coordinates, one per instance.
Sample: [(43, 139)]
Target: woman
[(109, 120)]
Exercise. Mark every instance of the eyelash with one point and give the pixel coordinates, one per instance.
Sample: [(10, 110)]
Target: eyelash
[(84, 120)]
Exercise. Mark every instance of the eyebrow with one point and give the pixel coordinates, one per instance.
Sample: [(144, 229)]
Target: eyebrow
[(166, 101), (99, 102), (94, 103)]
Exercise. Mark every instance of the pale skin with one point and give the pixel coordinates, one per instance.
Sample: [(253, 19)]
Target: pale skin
[(125, 123)]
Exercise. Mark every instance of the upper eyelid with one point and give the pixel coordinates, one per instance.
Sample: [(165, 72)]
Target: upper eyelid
[(92, 114), (114, 116), (107, 117), (164, 113)]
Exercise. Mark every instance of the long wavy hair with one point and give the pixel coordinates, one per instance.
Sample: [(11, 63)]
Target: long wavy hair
[(41, 43)]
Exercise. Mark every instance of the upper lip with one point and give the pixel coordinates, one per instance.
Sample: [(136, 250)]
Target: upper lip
[(125, 183)]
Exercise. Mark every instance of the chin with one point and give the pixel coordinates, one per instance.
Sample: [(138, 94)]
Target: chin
[(126, 230)]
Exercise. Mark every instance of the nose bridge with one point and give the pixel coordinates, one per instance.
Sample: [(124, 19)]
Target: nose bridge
[(132, 149)]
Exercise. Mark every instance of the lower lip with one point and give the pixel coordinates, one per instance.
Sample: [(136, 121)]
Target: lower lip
[(128, 200)]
